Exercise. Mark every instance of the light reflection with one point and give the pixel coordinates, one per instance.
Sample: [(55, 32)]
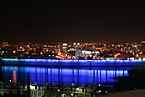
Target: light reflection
[(64, 75)]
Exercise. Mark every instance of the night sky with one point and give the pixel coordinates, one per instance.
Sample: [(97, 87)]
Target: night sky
[(72, 21)]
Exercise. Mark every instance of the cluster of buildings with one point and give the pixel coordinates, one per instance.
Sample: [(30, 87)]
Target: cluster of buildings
[(47, 90), (112, 51)]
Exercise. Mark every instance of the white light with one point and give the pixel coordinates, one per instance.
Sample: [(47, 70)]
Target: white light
[(77, 88), (10, 81), (131, 58), (143, 42), (72, 94), (99, 91), (64, 44), (32, 87), (99, 85), (58, 90), (72, 84)]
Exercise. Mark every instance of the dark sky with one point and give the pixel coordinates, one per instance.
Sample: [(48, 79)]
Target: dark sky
[(72, 21)]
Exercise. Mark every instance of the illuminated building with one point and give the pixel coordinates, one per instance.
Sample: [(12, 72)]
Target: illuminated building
[(143, 46), (78, 52), (64, 47)]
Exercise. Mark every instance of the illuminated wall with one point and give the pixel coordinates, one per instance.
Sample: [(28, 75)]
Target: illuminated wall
[(71, 63)]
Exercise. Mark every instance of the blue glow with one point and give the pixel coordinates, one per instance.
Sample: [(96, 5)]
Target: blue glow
[(56, 62), (9, 59), (63, 75)]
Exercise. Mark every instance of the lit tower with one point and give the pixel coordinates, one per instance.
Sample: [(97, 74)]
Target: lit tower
[(64, 47)]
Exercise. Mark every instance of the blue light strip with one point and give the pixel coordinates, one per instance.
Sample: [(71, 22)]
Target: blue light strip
[(9, 59), (56, 60)]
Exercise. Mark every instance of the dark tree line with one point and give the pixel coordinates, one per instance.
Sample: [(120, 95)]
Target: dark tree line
[(135, 80)]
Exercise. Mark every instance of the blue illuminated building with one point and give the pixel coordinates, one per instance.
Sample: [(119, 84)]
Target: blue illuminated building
[(71, 63)]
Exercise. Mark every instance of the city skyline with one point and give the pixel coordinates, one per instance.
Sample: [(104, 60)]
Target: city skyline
[(72, 21)]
